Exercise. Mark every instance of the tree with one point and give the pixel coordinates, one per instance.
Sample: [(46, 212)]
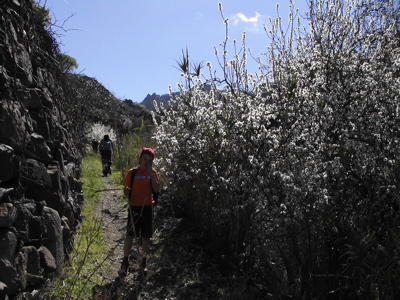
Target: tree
[(67, 63)]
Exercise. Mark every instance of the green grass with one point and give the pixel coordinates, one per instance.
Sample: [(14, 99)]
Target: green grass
[(127, 153), (88, 259)]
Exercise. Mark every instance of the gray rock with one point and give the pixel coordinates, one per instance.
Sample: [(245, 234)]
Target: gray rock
[(5, 194), (47, 261), (24, 65), (39, 166), (54, 241), (8, 245), (57, 198), (9, 277), (9, 172), (36, 179), (13, 129), (8, 215), (32, 259), (38, 149)]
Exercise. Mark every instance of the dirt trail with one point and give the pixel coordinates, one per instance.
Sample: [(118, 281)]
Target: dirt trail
[(177, 266), (113, 213)]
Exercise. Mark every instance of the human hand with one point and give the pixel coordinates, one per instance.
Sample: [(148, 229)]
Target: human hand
[(127, 191), (149, 166)]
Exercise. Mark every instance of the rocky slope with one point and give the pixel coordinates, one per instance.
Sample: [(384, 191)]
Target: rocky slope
[(87, 101), (40, 191)]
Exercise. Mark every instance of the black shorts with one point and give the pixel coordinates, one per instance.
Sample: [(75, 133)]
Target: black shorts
[(106, 155), (143, 220)]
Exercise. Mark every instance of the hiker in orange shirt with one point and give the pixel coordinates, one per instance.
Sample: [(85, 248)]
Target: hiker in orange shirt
[(142, 191)]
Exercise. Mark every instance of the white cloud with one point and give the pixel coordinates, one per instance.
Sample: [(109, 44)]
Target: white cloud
[(253, 24), (243, 18)]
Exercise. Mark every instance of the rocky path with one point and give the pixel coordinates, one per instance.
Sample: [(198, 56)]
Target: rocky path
[(112, 212)]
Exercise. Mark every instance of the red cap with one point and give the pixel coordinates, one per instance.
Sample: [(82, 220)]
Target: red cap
[(148, 151)]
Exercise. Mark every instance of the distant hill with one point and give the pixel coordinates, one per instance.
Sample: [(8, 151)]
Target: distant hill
[(91, 102), (149, 100)]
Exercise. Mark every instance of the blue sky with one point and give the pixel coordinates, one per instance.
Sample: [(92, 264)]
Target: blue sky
[(131, 46)]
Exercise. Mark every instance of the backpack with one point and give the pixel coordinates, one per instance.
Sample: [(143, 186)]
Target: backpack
[(106, 145), (133, 174)]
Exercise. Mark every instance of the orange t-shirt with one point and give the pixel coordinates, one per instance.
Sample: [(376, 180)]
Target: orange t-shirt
[(141, 190)]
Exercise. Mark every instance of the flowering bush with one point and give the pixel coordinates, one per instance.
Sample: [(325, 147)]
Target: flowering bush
[(294, 169), (98, 130)]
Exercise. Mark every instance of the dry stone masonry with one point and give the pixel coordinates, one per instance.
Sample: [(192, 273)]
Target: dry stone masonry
[(40, 191)]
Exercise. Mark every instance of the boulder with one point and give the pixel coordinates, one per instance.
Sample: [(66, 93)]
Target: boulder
[(39, 99), (8, 215), (9, 278), (36, 180), (32, 259), (58, 157), (3, 287), (9, 171), (36, 228), (44, 123), (38, 149), (57, 198), (24, 65), (47, 261), (9, 274), (5, 194), (8, 246), (67, 233), (54, 241), (14, 129)]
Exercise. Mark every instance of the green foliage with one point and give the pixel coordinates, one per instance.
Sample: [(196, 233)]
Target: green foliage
[(189, 68), (129, 147), (184, 63), (42, 13), (67, 63)]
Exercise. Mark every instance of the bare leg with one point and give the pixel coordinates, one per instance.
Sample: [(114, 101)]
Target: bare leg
[(145, 246), (128, 245), (125, 262)]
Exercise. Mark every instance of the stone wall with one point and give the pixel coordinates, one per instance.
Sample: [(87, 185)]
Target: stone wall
[(40, 191)]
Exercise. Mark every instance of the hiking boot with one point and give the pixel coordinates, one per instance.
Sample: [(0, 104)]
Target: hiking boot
[(124, 267), (143, 269), (144, 262)]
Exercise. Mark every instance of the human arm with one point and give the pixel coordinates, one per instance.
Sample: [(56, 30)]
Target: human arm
[(101, 145), (155, 185), (127, 183)]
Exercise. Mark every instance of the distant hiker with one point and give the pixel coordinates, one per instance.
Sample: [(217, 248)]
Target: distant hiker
[(142, 191), (95, 145), (106, 148)]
